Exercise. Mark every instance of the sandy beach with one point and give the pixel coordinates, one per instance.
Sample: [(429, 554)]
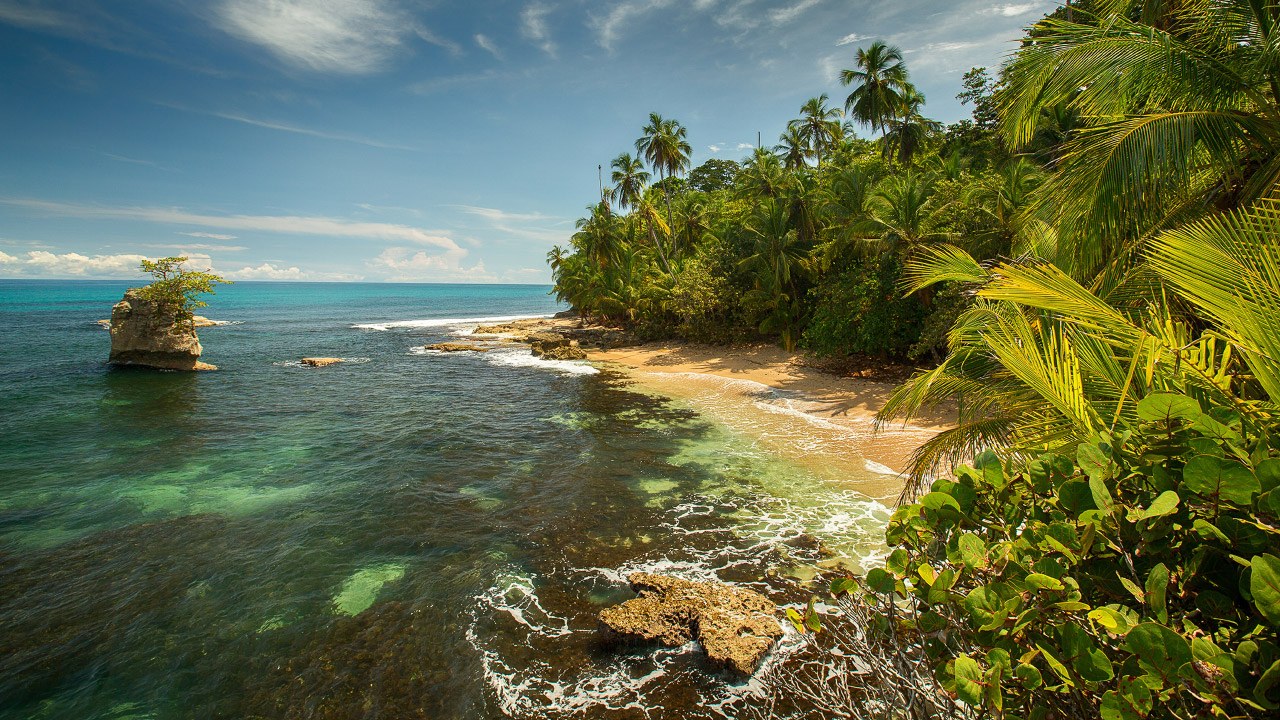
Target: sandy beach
[(779, 395)]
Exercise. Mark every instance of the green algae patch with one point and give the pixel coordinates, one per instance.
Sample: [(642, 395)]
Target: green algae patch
[(361, 589)]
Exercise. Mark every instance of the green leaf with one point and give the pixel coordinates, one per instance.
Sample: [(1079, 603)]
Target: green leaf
[(1268, 472), (880, 581), (840, 586), (1094, 462), (1217, 477), (973, 551), (927, 574), (938, 501), (1264, 585), (1130, 701), (1036, 581), (969, 680), (1269, 679), (1166, 504), (1207, 530), (1159, 650), (1101, 495), (1157, 584), (1166, 407), (1110, 620), (1029, 676)]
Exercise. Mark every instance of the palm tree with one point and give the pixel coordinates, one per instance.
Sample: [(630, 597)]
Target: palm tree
[(909, 131), (792, 148), (1043, 363), (629, 178), (878, 83), (665, 145), (780, 259), (819, 125), (1182, 118), (904, 215)]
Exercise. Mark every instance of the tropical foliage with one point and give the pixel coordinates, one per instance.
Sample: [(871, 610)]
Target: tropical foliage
[(177, 287)]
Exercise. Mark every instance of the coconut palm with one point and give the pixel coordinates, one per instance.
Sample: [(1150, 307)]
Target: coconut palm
[(878, 81), (629, 179), (792, 148), (819, 126), (665, 145), (1181, 113), (778, 263), (910, 130)]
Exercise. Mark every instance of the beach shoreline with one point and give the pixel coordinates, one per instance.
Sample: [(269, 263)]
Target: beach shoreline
[(843, 401)]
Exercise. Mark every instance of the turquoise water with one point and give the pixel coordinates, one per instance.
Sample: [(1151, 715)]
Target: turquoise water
[(403, 535)]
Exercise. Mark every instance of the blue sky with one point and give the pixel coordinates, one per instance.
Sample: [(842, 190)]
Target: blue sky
[(401, 140)]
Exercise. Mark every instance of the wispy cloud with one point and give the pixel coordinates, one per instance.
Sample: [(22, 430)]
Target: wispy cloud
[(400, 264), (533, 25), (429, 36), (209, 235), (488, 45), (787, 14), (283, 224), (610, 26), (291, 128), (268, 271), (133, 161), (851, 38), (1013, 10), (353, 37), (533, 226)]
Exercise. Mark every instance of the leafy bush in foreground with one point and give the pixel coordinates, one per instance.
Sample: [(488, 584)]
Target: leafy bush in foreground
[(1139, 579)]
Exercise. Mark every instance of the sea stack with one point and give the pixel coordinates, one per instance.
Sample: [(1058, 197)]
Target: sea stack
[(145, 333)]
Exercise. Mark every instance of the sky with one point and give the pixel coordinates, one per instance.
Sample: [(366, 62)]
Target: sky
[(402, 140)]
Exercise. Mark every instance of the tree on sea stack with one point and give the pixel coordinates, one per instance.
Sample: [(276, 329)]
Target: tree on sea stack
[(177, 288), (154, 326)]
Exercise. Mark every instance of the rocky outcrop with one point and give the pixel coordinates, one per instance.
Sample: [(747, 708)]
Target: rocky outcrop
[(321, 361), (450, 347), (736, 627), (197, 321), (145, 333), (554, 346)]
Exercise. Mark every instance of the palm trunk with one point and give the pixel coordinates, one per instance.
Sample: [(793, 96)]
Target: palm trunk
[(662, 256), (666, 194)]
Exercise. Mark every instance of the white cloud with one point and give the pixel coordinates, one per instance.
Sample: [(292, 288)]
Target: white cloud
[(203, 247), (285, 224), (1010, 10), (297, 129), (851, 38), (714, 149), (211, 236), (340, 36), (503, 216), (401, 264), (533, 25), (787, 14), (41, 263), (745, 146), (610, 26), (488, 45), (427, 35), (532, 226), (267, 271)]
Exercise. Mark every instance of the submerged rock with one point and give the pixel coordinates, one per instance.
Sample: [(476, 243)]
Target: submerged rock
[(456, 347), (148, 334), (554, 346), (321, 361), (736, 627)]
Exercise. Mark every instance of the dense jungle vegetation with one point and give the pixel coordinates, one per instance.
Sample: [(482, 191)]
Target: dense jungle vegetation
[(1091, 269)]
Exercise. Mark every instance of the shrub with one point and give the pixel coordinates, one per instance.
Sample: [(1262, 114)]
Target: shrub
[(176, 287), (1139, 579), (859, 309)]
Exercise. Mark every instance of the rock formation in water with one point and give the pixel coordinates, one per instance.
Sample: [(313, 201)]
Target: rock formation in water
[(320, 361), (455, 347), (554, 346), (736, 627), (148, 334)]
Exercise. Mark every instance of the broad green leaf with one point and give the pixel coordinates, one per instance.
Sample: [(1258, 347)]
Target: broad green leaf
[(969, 680), (1207, 530), (1130, 701), (938, 501), (927, 573), (972, 550), (1269, 680), (1264, 585), (840, 586), (1029, 676), (1165, 407), (1094, 462), (1037, 581), (1110, 620), (1157, 584), (880, 581), (1217, 477), (1101, 495), (1268, 472), (1159, 650), (1166, 504)]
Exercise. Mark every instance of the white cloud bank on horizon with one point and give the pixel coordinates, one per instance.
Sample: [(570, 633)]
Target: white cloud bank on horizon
[(125, 266)]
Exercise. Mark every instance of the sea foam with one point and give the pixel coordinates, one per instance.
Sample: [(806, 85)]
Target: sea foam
[(444, 322)]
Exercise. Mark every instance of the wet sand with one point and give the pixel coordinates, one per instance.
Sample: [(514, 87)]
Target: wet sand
[(844, 405)]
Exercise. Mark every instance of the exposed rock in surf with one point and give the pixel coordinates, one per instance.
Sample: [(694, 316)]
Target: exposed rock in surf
[(736, 627), (450, 347), (145, 333), (516, 332), (321, 361), (554, 346)]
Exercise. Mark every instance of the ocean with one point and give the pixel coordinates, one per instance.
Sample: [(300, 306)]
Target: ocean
[(403, 535)]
